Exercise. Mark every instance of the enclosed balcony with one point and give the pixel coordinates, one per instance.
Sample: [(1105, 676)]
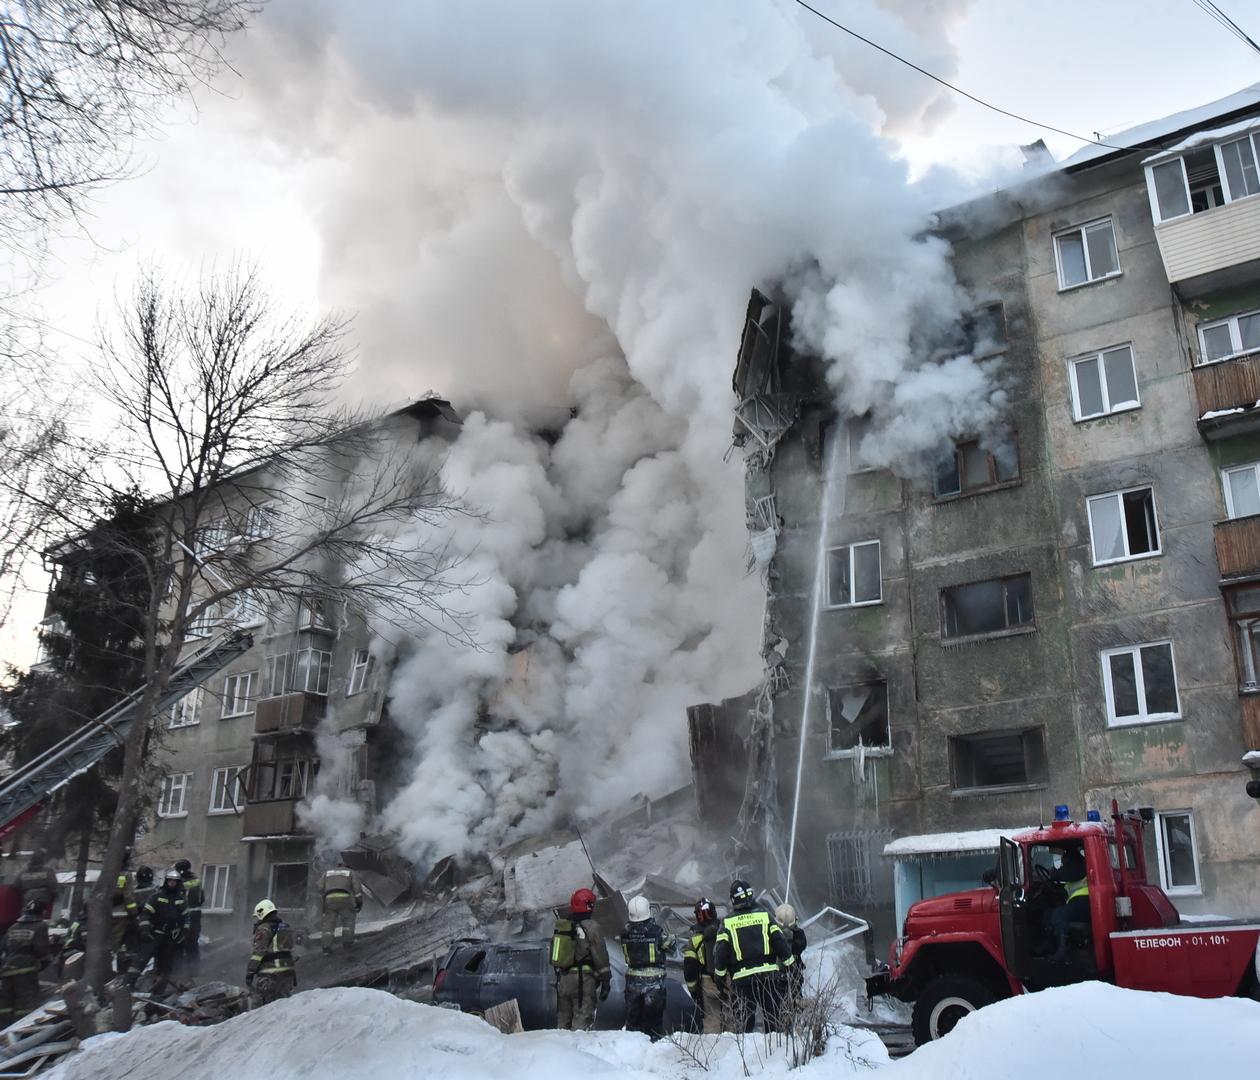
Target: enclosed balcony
[(285, 713), (1238, 547), (1227, 394), (275, 817), (1207, 252)]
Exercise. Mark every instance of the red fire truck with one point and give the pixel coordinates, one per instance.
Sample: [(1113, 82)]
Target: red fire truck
[(960, 952)]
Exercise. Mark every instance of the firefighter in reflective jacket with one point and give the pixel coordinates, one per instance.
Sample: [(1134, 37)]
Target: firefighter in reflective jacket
[(580, 960), (645, 945), (343, 900), (270, 974), (38, 883), (194, 897), (123, 913), (755, 953), (1072, 875), (698, 967), (164, 924), (26, 949)]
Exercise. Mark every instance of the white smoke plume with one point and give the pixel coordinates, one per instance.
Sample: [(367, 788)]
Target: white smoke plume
[(537, 207)]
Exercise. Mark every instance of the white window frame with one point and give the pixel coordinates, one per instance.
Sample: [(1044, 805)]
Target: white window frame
[(1254, 467), (1108, 408), (1159, 532), (248, 609), (1142, 717), (852, 576), (313, 615), (1220, 173), (1235, 337), (260, 521), (1080, 229), (1161, 850), (361, 665), (216, 885), (312, 666), (220, 780), (172, 784), (241, 705), (186, 706), (284, 661)]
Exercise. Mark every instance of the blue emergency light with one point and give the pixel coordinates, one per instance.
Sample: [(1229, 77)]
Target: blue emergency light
[(1093, 815), (1061, 812)]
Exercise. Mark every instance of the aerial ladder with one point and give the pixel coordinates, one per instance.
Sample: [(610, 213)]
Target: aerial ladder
[(29, 787)]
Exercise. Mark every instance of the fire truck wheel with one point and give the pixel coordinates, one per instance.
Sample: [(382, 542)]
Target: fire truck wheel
[(945, 1001)]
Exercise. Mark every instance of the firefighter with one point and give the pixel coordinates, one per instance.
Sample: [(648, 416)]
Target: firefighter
[(645, 944), (70, 958), (343, 900), (123, 913), (754, 952), (1071, 874), (698, 970), (270, 973), (194, 897), (785, 916), (579, 958), (164, 925), (38, 883), (26, 950), (136, 950)]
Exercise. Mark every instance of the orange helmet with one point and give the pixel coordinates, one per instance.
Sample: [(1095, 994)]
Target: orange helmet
[(582, 902)]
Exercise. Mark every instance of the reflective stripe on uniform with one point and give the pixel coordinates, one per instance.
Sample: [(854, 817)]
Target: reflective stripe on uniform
[(1077, 888)]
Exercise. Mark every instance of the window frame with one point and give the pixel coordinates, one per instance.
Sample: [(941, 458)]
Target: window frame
[(210, 887), (1028, 783), (1235, 336), (1227, 492), (1074, 384), (1119, 494), (297, 667), (1221, 173), (1161, 852), (356, 668), (282, 660), (167, 791), (1080, 230), (834, 754), (250, 697), (195, 695), (271, 882), (236, 807), (1142, 717), (1008, 630), (854, 465), (993, 483), (1237, 615), (851, 546)]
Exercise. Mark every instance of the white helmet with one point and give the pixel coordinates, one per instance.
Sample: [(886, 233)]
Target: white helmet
[(785, 915), (640, 911), (263, 909)]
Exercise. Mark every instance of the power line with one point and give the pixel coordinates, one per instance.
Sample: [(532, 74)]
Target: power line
[(957, 89), (1218, 16)]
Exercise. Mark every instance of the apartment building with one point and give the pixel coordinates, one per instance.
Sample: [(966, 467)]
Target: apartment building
[(1067, 611)]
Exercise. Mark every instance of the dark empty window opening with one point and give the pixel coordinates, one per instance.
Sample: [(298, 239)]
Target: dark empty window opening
[(288, 885), (859, 718), (987, 607), (998, 759), (976, 467), (986, 329)]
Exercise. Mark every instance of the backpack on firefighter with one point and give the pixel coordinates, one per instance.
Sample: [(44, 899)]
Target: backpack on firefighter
[(564, 939)]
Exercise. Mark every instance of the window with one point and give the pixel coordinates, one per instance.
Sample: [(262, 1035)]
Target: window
[(360, 668), (1226, 338), (216, 881), (276, 675), (313, 615), (173, 798), (1243, 606), (212, 538), (238, 694), (1122, 525), (985, 329), (1242, 490), (293, 778), (998, 759), (206, 622), (227, 793), (987, 607), (184, 711), (1178, 850), (1140, 682), (1203, 179), (1104, 383), (853, 575), (260, 521), (858, 428), (858, 717), (1086, 253), (280, 774), (860, 876), (288, 885), (973, 467), (311, 671), (248, 609)]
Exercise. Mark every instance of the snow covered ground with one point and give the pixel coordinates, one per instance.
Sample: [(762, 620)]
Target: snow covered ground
[(1085, 1031)]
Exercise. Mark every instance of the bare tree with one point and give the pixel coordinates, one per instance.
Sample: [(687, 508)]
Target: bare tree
[(262, 492)]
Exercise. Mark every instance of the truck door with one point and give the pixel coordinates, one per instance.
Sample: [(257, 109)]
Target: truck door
[(1013, 908)]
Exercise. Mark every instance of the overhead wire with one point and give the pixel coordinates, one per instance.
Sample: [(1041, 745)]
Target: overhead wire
[(957, 89), (1218, 16)]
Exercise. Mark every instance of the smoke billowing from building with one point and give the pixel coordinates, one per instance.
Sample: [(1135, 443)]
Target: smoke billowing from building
[(552, 213)]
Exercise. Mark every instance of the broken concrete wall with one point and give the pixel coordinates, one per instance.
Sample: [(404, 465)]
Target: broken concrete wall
[(716, 737)]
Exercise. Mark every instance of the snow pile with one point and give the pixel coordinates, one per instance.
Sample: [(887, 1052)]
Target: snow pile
[(1092, 1030)]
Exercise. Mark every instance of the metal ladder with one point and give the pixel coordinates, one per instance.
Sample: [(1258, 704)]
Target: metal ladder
[(23, 791)]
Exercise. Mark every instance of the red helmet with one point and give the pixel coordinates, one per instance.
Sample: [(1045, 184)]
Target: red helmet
[(582, 902), (706, 910)]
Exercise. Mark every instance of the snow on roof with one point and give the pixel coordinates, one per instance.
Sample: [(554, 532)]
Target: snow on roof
[(955, 843), (1166, 126), (1201, 138)]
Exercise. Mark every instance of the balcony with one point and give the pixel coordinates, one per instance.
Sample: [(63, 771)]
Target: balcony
[(287, 713), (275, 817), (1238, 547), (1250, 720), (1227, 393), (1213, 250)]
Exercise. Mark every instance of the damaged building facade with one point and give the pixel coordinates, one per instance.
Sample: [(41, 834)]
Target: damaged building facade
[(1068, 611)]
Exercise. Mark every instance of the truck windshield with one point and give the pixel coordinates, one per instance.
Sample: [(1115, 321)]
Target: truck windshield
[(1130, 856)]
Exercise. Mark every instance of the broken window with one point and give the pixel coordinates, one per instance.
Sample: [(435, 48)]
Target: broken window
[(260, 521), (1122, 525), (987, 607), (974, 467), (858, 717), (1226, 338), (853, 575), (998, 759), (1140, 683), (288, 885), (986, 329), (1178, 849), (1086, 253), (860, 876), (1243, 606), (227, 793), (360, 668), (1104, 382), (856, 429)]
